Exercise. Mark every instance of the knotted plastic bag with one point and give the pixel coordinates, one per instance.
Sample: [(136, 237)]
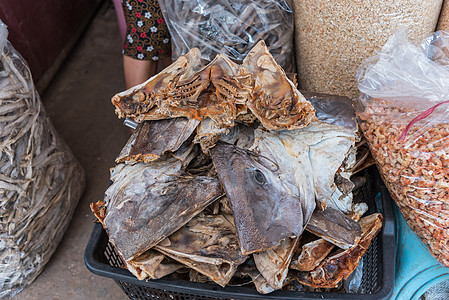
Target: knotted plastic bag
[(40, 179), (404, 115)]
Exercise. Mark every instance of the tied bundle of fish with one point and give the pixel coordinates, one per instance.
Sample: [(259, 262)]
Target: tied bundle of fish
[(273, 205), (40, 180)]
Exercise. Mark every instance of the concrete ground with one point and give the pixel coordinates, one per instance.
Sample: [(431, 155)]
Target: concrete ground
[(78, 102)]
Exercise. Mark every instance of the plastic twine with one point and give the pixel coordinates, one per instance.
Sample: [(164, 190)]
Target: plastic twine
[(420, 117)]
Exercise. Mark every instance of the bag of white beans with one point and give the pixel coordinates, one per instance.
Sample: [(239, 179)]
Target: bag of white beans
[(333, 37)]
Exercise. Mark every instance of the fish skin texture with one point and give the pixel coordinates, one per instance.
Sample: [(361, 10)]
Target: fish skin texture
[(265, 212), (143, 199), (208, 243), (152, 139)]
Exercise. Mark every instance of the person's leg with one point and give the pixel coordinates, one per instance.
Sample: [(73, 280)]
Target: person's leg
[(166, 61), (137, 71)]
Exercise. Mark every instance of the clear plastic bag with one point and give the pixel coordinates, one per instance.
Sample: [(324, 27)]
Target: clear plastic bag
[(333, 37), (40, 179), (404, 116), (231, 28)]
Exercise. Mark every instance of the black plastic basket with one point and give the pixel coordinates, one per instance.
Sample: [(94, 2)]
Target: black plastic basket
[(378, 264)]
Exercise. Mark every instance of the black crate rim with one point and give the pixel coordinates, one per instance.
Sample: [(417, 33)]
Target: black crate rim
[(96, 262)]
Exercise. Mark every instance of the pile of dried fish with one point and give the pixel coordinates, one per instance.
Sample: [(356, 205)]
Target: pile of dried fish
[(273, 205), (40, 180), (219, 94), (231, 28)]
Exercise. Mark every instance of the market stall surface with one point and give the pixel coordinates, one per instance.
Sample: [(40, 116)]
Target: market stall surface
[(78, 102)]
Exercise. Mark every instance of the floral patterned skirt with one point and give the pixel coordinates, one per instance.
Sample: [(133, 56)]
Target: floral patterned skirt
[(147, 36)]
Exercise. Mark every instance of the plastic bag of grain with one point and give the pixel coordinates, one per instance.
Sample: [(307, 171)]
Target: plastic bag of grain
[(443, 21), (231, 28), (404, 117), (40, 179), (333, 37)]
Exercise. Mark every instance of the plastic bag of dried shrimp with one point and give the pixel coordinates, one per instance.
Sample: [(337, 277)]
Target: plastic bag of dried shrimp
[(404, 115), (40, 179), (231, 27)]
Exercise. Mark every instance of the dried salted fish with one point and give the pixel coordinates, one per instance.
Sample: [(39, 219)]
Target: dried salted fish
[(261, 284), (308, 157), (221, 91), (40, 179), (276, 102), (218, 91), (339, 111), (208, 244), (214, 92), (137, 102), (311, 255), (295, 171), (273, 263), (208, 133), (241, 135), (340, 265), (152, 265), (264, 208), (335, 227), (335, 110), (154, 138), (141, 203)]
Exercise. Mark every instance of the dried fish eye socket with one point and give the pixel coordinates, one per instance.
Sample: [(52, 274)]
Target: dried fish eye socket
[(259, 177)]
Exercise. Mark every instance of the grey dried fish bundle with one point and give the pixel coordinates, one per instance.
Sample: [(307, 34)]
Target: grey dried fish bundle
[(40, 179)]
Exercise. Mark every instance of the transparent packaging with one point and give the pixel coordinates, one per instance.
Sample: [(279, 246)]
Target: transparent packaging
[(403, 113), (231, 28), (333, 37), (40, 179)]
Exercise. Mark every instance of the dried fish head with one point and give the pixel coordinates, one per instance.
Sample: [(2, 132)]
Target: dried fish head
[(208, 244), (143, 198), (265, 212), (291, 155), (138, 101), (318, 151), (276, 102)]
